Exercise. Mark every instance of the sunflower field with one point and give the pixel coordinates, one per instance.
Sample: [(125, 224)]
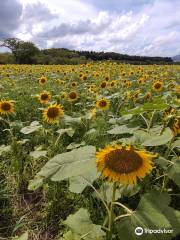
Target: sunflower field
[(89, 152)]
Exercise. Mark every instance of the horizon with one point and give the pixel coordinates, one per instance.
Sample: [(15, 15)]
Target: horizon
[(124, 27)]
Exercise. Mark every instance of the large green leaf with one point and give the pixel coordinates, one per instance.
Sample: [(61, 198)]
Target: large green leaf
[(36, 183), (122, 130), (82, 227), (33, 127), (106, 192), (4, 148), (38, 153), (70, 164), (69, 131), (176, 144), (158, 140), (78, 184), (24, 236), (174, 171), (156, 104), (152, 212)]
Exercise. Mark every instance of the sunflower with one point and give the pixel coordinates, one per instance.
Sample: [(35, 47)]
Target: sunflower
[(178, 90), (93, 113), (103, 104), (63, 95), (6, 107), (176, 126), (141, 80), (84, 77), (158, 85), (169, 113), (123, 164), (148, 95), (53, 113), (44, 97), (107, 78), (42, 80), (74, 84), (72, 96), (103, 84), (113, 84)]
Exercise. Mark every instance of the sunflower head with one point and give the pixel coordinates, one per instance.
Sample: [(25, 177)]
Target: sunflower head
[(84, 77), (42, 80), (178, 90), (113, 84), (107, 78), (102, 104), (72, 96), (169, 113), (158, 85), (148, 96), (103, 84), (6, 107), (123, 164), (74, 84), (53, 113), (44, 97), (176, 126)]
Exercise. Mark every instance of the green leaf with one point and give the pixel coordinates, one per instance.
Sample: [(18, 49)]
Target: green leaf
[(122, 129), (82, 227), (158, 140), (121, 119), (176, 144), (69, 119), (106, 191), (4, 148), (37, 154), (24, 236), (69, 236), (36, 183), (70, 164), (163, 162), (141, 136), (78, 184), (156, 104), (174, 172), (74, 145), (128, 190), (33, 127), (69, 131), (152, 212)]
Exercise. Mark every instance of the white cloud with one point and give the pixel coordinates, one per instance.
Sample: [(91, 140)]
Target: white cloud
[(145, 28)]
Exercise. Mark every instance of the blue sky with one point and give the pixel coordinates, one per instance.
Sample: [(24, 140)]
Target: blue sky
[(137, 27)]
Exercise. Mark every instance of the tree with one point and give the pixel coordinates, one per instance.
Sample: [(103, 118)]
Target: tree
[(23, 51)]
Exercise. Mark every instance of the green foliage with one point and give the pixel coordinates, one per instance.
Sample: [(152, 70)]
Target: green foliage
[(81, 227), (153, 212), (158, 140)]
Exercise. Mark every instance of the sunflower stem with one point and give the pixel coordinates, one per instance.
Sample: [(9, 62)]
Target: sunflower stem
[(97, 193), (150, 121), (123, 206), (111, 217)]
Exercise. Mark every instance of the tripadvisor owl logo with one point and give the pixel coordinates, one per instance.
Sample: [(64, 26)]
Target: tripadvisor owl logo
[(139, 231)]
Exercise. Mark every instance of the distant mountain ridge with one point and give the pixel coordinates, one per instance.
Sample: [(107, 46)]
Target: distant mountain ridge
[(176, 58)]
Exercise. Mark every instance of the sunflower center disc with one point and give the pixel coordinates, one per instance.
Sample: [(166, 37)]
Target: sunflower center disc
[(72, 95), (53, 112), (102, 103), (157, 86), (6, 106), (44, 97), (123, 161)]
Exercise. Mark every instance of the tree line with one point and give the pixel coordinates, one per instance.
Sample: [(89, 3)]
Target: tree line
[(25, 52)]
